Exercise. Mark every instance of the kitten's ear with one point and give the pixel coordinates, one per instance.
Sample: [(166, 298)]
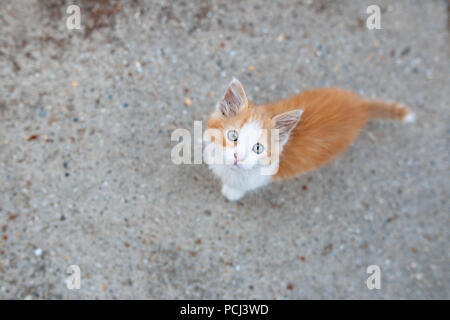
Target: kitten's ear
[(285, 122), (233, 100)]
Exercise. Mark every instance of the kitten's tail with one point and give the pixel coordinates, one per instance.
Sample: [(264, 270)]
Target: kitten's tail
[(389, 110)]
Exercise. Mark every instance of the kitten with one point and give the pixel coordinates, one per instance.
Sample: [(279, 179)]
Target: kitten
[(313, 128)]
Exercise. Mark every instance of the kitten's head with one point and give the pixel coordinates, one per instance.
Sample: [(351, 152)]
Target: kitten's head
[(245, 133)]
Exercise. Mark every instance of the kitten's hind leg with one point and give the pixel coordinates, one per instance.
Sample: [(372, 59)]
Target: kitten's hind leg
[(232, 194)]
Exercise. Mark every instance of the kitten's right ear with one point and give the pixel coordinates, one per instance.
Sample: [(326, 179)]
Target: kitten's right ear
[(286, 122), (233, 100)]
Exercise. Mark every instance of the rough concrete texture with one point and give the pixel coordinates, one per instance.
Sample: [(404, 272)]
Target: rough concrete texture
[(86, 177)]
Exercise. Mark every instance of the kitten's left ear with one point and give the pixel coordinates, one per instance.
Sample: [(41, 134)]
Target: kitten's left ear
[(285, 122), (233, 100)]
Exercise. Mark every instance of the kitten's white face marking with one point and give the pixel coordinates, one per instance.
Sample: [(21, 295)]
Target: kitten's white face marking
[(241, 173), (242, 154)]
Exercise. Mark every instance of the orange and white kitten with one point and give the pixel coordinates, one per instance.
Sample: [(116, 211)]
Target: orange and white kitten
[(314, 127)]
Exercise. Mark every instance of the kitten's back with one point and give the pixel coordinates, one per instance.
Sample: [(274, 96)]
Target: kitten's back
[(331, 121)]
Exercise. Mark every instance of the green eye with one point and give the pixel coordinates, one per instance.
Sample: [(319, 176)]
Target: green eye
[(258, 148), (232, 135)]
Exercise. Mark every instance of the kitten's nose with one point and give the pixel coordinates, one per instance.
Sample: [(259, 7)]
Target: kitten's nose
[(237, 159)]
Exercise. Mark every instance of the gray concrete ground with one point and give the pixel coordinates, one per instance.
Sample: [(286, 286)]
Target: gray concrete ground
[(86, 177)]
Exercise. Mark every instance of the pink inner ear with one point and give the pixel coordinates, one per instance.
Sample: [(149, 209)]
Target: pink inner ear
[(233, 100), (287, 121)]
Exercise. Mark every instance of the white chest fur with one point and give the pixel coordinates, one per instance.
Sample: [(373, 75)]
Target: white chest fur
[(236, 181)]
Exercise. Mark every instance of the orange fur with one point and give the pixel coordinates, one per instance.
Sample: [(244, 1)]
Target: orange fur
[(331, 121)]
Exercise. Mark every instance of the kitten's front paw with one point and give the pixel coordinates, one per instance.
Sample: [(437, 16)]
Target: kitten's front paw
[(232, 194)]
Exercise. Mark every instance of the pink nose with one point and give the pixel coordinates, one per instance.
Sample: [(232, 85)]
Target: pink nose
[(236, 159)]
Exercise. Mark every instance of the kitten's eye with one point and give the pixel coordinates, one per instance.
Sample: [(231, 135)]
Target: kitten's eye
[(232, 135), (258, 148)]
